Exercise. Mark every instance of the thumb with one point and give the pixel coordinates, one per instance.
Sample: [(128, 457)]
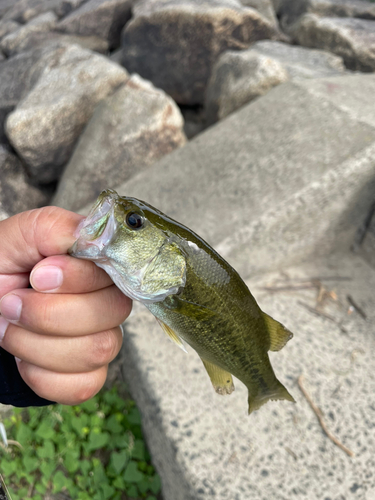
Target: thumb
[(28, 237)]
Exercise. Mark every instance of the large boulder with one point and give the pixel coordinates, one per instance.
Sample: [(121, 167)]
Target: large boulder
[(175, 43), (238, 77), (23, 11), (265, 7), (129, 131), (17, 76), (16, 194), (19, 40), (254, 184), (48, 121), (67, 6), (290, 10), (7, 27), (101, 18), (352, 39)]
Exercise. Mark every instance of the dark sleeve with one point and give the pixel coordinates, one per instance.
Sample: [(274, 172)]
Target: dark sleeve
[(13, 390)]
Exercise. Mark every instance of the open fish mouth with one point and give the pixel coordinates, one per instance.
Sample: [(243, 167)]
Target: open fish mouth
[(96, 231)]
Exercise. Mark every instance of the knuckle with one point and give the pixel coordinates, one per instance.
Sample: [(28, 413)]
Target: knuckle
[(88, 389), (104, 348)]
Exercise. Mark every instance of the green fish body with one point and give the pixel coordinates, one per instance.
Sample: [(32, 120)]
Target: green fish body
[(195, 295)]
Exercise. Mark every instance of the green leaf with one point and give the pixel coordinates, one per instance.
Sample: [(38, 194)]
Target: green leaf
[(47, 469), (113, 425), (71, 460), (139, 450), (24, 434), (97, 440), (30, 463), (8, 468), (79, 423), (122, 441), (47, 450), (132, 491), (107, 490), (155, 484), (45, 431), (90, 406), (58, 481), (132, 474), (134, 417), (119, 483), (40, 488), (151, 497), (85, 467), (119, 460)]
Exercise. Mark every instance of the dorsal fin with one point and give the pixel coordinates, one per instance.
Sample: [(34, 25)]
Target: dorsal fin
[(172, 335), (279, 335)]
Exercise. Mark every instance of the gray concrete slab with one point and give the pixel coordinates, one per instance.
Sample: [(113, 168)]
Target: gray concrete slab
[(206, 447), (301, 157)]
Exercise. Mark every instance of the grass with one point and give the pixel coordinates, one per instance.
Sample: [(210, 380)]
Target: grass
[(94, 451)]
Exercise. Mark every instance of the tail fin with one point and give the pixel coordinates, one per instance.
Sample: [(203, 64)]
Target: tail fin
[(275, 393)]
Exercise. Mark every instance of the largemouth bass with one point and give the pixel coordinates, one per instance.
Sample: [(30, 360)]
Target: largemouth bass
[(195, 295)]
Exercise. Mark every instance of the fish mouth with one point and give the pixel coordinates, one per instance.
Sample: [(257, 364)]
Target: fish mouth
[(96, 231)]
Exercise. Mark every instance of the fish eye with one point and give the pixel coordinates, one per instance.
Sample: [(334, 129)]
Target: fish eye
[(134, 220)]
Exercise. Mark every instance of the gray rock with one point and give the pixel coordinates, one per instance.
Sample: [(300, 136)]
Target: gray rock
[(238, 78), (67, 6), (16, 194), (127, 133), (7, 27), (47, 122), (40, 39), (102, 18), (272, 171), (5, 5), (301, 62), (175, 43), (17, 76), (264, 7), (19, 39), (290, 10), (352, 39), (23, 11)]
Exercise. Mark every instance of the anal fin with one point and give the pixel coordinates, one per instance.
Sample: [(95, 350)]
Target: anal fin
[(279, 335), (221, 380), (172, 335)]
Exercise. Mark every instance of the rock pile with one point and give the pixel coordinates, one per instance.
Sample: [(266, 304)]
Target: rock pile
[(72, 110)]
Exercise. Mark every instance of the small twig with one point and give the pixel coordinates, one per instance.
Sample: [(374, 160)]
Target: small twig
[(288, 288), (291, 452), (323, 315), (319, 414), (359, 310)]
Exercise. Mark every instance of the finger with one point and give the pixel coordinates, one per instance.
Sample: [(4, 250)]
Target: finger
[(63, 354), (9, 282), (66, 314), (65, 274), (64, 388), (30, 236)]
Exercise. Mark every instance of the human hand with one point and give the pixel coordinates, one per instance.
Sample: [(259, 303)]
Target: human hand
[(65, 330)]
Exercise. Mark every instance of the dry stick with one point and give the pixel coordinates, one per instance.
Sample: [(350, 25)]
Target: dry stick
[(319, 414), (359, 310)]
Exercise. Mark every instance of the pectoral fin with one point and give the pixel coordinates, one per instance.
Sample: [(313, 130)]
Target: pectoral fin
[(172, 335), (279, 335), (189, 309), (221, 380)]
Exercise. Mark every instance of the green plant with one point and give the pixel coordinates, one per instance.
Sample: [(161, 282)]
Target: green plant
[(94, 451)]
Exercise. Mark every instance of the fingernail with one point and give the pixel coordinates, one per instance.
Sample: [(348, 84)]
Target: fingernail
[(46, 278), (3, 327), (11, 307)]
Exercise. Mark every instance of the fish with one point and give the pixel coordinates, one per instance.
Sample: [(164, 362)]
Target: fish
[(196, 296)]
